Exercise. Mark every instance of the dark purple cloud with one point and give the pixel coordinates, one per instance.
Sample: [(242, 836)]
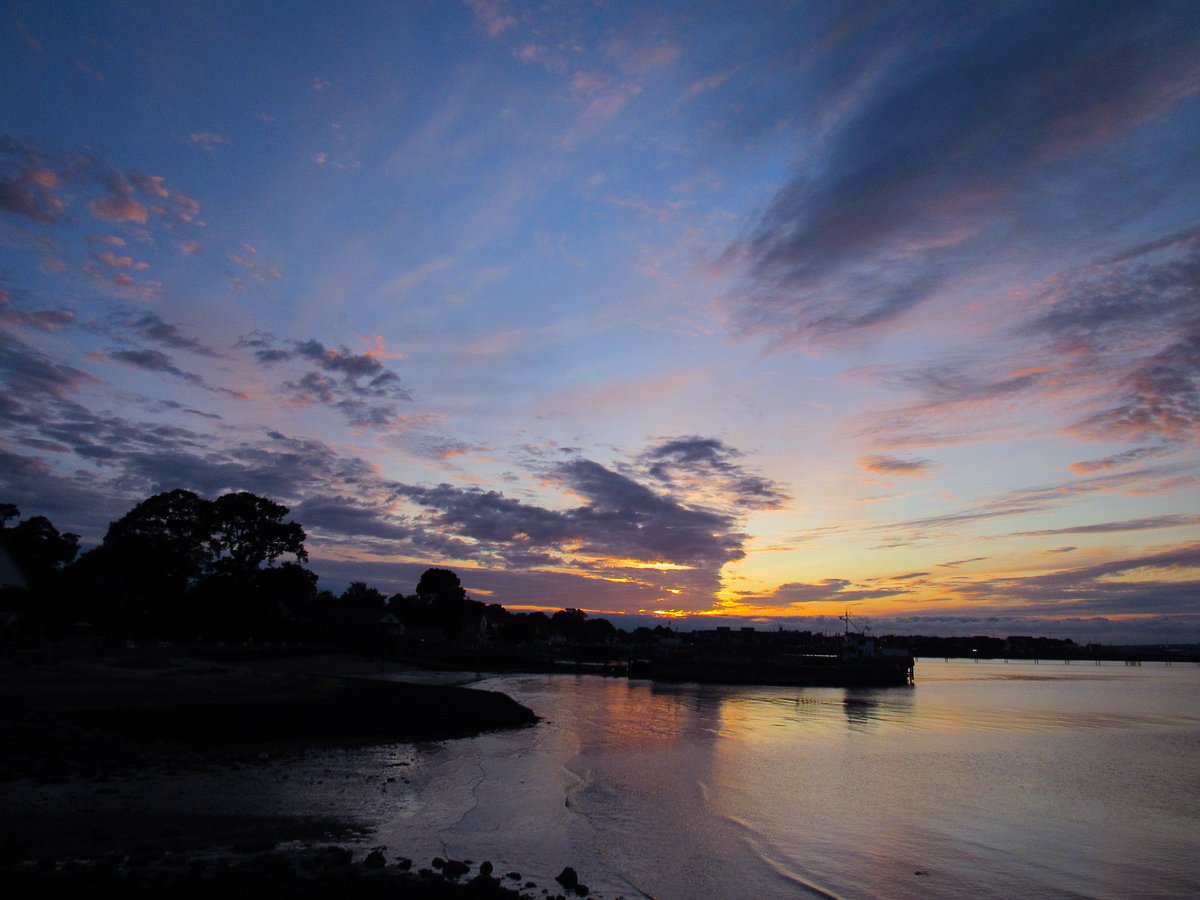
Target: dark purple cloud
[(152, 327), (30, 376), (38, 320), (154, 361), (1159, 397), (358, 385)]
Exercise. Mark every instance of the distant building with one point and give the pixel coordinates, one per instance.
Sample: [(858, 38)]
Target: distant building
[(390, 626)]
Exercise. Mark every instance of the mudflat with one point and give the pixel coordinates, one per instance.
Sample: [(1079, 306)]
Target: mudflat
[(136, 768)]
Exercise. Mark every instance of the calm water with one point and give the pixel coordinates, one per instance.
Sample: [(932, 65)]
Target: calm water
[(983, 779)]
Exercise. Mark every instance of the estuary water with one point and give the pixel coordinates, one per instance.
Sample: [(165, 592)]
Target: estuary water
[(985, 779)]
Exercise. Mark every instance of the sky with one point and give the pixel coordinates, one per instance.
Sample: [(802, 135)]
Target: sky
[(762, 311)]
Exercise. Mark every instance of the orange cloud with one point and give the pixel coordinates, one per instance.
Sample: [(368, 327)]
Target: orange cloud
[(43, 178), (376, 349)]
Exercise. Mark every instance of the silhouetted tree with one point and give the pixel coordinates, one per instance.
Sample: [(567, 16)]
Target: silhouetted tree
[(522, 628), (8, 511), (361, 596), (644, 636), (245, 531), (290, 586), (598, 631), (569, 623), (440, 602), (38, 552), (37, 547)]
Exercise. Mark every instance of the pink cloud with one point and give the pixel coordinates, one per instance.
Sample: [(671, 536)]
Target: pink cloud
[(119, 209), (185, 207), (28, 194), (113, 261), (209, 140), (110, 240), (492, 17), (605, 105)]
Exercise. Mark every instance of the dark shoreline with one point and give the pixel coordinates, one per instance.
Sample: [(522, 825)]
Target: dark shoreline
[(311, 871), (98, 716), (324, 708)]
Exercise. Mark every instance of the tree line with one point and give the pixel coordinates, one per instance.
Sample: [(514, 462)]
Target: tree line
[(182, 567)]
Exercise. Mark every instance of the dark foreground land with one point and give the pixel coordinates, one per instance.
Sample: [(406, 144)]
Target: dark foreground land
[(142, 775)]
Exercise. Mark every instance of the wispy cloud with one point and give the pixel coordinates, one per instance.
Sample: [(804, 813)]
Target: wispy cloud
[(209, 140), (709, 468), (830, 590), (1016, 503), (1155, 583), (1117, 460), (1152, 522), (942, 155), (894, 465)]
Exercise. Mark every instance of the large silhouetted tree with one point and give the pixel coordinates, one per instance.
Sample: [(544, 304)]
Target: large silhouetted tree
[(180, 563), (440, 587), (39, 552), (160, 546), (440, 601)]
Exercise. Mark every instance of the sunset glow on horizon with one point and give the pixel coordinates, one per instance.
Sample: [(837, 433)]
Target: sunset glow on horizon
[(765, 311)]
